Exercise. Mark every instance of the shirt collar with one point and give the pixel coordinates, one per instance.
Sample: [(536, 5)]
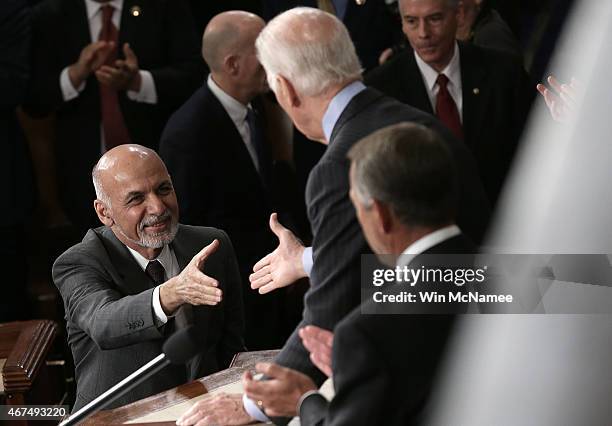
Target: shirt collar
[(425, 243), (235, 109), (165, 258), (94, 7), (452, 70), (338, 105)]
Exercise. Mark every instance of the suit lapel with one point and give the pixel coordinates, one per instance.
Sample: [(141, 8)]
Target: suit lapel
[(474, 91), (413, 88), (132, 276), (78, 32)]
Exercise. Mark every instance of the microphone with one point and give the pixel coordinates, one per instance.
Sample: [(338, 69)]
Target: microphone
[(178, 349)]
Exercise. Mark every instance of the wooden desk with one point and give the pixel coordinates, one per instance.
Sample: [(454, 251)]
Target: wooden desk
[(241, 363)]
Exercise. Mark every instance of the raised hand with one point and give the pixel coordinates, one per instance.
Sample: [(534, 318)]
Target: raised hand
[(124, 75), (191, 286), (560, 98), (283, 266), (319, 343), (92, 57)]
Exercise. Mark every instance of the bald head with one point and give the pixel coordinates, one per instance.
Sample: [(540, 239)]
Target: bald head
[(115, 163), (229, 33), (310, 48)]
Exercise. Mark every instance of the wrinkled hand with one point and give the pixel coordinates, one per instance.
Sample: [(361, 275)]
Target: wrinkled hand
[(283, 266), (218, 409), (561, 100), (91, 58), (125, 75), (278, 396), (319, 343), (191, 286)]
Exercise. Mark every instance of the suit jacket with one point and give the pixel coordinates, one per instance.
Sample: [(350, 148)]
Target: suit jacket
[(163, 39), (110, 320), (218, 185), (495, 103), (371, 26), (384, 365), (338, 241), (15, 170)]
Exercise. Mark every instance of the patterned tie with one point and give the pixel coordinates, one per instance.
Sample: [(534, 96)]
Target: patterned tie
[(446, 109), (156, 272), (258, 144), (115, 131)]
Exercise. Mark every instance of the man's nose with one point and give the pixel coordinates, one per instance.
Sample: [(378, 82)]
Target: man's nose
[(155, 205), (423, 29)]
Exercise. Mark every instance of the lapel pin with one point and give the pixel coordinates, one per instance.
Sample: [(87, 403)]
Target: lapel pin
[(135, 11), (476, 90)]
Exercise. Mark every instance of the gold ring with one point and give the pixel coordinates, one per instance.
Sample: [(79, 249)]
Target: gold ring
[(259, 403)]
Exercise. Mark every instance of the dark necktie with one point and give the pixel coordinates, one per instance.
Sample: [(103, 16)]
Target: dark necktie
[(115, 131), (446, 109), (258, 143), (156, 272)]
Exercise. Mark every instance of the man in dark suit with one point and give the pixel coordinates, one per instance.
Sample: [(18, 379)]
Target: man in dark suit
[(320, 89), (14, 163), (481, 95), (113, 71), (379, 378), (215, 149), (131, 283)]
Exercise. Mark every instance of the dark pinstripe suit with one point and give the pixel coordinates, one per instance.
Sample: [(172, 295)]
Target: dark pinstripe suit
[(338, 241)]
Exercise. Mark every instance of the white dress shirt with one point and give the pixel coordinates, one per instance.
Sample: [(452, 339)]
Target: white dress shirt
[(238, 113), (452, 71), (425, 243), (147, 92), (167, 258)]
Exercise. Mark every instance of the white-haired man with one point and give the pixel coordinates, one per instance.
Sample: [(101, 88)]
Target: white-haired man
[(312, 67), (130, 283)]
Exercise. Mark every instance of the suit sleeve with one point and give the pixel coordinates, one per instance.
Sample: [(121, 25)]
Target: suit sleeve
[(232, 341), (337, 245), (91, 302), (360, 378), (184, 69), (14, 49)]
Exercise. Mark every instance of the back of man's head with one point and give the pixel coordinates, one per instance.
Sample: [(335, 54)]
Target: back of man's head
[(408, 168), (310, 48), (229, 33)]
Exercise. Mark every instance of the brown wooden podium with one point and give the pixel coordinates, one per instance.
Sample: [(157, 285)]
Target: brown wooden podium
[(24, 346), (242, 362)]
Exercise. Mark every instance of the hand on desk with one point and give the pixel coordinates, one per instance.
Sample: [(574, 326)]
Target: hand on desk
[(218, 409), (191, 286), (283, 266), (280, 394), (319, 343)]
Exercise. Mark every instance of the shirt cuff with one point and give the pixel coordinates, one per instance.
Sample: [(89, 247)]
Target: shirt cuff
[(307, 260), (253, 410), (160, 315), (68, 90), (147, 93)]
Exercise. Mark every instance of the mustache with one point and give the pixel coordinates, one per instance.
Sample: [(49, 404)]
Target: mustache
[(154, 219)]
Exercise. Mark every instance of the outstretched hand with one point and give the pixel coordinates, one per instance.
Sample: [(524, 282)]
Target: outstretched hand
[(283, 266), (319, 343)]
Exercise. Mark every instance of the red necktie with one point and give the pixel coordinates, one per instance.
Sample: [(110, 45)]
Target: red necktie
[(446, 109), (115, 131)]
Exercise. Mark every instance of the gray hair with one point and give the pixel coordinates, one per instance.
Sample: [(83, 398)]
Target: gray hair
[(409, 168), (310, 48), (97, 183)]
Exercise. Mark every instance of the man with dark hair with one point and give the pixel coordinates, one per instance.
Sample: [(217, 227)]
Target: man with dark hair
[(129, 284), (481, 95)]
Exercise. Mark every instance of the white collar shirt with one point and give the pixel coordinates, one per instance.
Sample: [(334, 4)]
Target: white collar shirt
[(425, 243), (452, 71)]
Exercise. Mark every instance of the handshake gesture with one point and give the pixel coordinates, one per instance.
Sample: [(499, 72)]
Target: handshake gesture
[(121, 75)]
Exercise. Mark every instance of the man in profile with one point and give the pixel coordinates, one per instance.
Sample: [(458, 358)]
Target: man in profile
[(129, 284)]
